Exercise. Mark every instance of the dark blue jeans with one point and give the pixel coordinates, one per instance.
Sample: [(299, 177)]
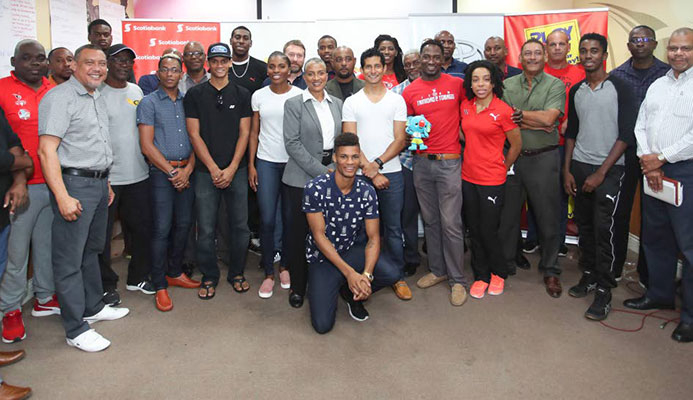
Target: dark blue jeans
[(171, 210), (390, 204), (269, 176), (410, 219), (207, 199)]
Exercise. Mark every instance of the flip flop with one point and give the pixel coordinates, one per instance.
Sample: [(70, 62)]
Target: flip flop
[(206, 286), (240, 288)]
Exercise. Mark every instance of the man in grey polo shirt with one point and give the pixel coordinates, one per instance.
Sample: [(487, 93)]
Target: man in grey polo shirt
[(75, 154), (601, 116)]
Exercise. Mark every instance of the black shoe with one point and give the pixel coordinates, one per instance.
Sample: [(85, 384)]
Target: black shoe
[(522, 262), (563, 250), (530, 246), (145, 287), (295, 300), (601, 305), (188, 269), (585, 286), (683, 333), (410, 269), (644, 303), (356, 308), (111, 297)]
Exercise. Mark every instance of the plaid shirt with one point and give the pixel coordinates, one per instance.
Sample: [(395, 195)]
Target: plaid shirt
[(639, 81), (405, 157)]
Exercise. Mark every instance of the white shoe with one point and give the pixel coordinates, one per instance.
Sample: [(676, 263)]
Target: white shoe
[(89, 341), (108, 313)]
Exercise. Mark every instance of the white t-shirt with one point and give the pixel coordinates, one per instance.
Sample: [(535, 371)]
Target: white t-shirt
[(375, 124), (271, 108)]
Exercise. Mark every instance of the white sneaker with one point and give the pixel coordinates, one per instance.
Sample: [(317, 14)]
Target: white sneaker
[(89, 341), (108, 313)]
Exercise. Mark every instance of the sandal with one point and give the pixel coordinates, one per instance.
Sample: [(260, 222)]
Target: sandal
[(239, 284), (207, 287)]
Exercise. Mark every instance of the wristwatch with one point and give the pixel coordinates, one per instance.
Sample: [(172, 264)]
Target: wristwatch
[(379, 162), (368, 275), (661, 158), (173, 173)]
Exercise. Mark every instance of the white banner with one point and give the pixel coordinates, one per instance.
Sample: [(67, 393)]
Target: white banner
[(18, 21), (68, 23), (114, 14)]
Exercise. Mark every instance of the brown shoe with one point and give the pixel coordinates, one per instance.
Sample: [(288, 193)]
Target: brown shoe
[(553, 286), (429, 280), (402, 290), (163, 300), (8, 357), (183, 281), (458, 295), (9, 392)]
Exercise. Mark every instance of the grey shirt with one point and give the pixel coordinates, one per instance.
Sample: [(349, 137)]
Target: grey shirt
[(186, 82), (80, 120)]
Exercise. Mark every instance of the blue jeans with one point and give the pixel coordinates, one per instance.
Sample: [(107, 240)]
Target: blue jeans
[(269, 177), (207, 198), (171, 210), (390, 204)]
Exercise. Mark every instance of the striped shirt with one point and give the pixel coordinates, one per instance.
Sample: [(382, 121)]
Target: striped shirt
[(664, 123)]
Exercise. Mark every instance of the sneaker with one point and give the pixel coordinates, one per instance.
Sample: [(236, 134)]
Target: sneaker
[(284, 279), (563, 250), (145, 287), (458, 295), (51, 307), (266, 289), (402, 290), (356, 308), (530, 246), (478, 289), (108, 313), (496, 286), (13, 327), (111, 297), (277, 257), (601, 305), (89, 341), (584, 287)]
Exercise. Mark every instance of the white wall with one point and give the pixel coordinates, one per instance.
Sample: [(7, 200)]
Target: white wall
[(326, 9)]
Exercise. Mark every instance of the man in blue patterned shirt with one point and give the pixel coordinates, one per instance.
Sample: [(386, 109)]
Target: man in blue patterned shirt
[(339, 207)]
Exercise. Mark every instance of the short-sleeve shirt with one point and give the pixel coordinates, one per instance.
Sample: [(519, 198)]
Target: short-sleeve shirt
[(547, 93), (456, 68), (21, 103), (570, 76), (484, 133), (80, 120), (439, 101), (344, 213), (248, 75), (220, 113), (375, 124), (599, 117), (270, 106), (168, 119)]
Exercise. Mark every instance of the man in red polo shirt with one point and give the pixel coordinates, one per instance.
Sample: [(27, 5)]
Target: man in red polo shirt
[(437, 170), (20, 94)]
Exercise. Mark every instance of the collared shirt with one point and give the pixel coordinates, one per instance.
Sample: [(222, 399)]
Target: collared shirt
[(51, 79), (80, 120), (406, 158), (664, 123), (640, 79), (322, 109), (8, 140), (168, 119), (148, 83), (20, 103), (186, 82), (456, 68), (547, 93)]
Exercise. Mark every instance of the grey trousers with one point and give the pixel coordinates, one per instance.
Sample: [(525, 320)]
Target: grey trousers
[(76, 247), (536, 180), (438, 186), (30, 226)]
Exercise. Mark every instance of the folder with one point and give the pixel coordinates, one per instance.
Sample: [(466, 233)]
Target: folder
[(672, 191)]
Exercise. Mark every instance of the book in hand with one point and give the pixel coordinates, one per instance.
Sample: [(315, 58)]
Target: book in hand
[(672, 191)]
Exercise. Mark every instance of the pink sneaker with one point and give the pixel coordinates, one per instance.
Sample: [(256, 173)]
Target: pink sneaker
[(496, 286), (285, 279), (266, 289), (478, 289)]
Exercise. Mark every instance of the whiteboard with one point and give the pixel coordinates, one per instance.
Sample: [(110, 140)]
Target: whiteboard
[(68, 23), (114, 14), (18, 21)]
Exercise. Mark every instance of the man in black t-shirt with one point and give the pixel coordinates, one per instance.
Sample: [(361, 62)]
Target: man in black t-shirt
[(245, 70), (218, 119)]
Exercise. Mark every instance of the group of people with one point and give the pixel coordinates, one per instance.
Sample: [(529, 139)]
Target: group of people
[(323, 154)]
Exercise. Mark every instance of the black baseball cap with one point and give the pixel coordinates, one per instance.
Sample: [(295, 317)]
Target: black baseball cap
[(118, 48), (219, 50)]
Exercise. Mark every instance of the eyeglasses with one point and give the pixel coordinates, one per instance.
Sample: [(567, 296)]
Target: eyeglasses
[(220, 101), (636, 40), (194, 54), (174, 71)]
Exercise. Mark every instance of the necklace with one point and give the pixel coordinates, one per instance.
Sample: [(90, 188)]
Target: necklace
[(233, 69)]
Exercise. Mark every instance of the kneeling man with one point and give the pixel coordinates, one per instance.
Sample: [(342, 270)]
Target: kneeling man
[(343, 259)]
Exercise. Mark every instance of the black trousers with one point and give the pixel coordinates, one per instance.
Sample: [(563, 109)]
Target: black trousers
[(482, 211), (595, 217), (298, 226), (131, 202), (410, 219)]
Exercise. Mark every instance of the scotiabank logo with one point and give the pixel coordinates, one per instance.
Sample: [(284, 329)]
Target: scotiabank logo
[(179, 28), (152, 42), (126, 28)]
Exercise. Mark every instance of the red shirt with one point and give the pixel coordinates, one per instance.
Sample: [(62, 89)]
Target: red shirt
[(570, 75), (439, 102), (20, 103), (389, 81), (484, 132)]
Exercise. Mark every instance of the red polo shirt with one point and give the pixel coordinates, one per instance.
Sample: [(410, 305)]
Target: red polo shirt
[(570, 75), (20, 103), (484, 132)]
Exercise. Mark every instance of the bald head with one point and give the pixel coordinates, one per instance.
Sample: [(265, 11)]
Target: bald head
[(24, 42), (558, 46), (30, 62), (448, 41), (680, 50), (495, 51), (343, 62)]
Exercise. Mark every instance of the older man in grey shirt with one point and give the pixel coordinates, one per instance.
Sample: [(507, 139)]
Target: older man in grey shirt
[(75, 154)]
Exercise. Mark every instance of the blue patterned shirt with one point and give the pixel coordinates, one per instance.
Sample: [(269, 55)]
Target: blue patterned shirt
[(640, 80), (344, 213), (456, 68), (168, 119)]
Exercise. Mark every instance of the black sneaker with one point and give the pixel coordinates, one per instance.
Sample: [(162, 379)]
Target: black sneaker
[(530, 246), (356, 308), (585, 286), (522, 262), (145, 287), (601, 305), (111, 297), (563, 250)]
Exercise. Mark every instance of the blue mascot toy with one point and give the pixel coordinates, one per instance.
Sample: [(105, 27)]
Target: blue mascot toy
[(418, 128)]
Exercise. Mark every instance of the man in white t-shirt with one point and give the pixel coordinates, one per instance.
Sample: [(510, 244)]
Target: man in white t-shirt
[(379, 117)]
